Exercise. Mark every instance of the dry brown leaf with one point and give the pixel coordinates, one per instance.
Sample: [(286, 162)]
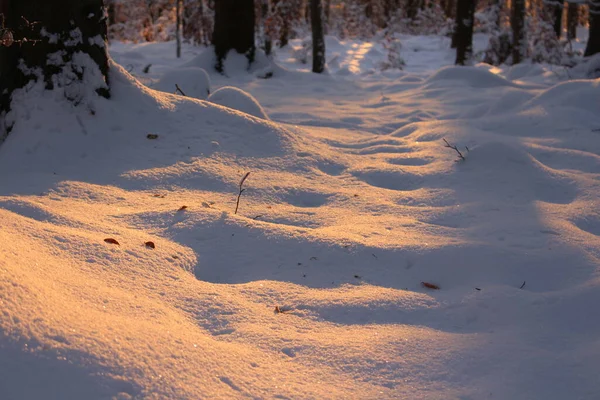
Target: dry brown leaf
[(150, 245), (182, 208), (112, 241)]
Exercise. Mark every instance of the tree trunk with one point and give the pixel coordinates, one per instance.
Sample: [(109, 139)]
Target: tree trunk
[(318, 39), (555, 9), (454, 43), (69, 30), (178, 27), (518, 29), (234, 29), (593, 44), (449, 10), (327, 15), (265, 12), (465, 11), (572, 21)]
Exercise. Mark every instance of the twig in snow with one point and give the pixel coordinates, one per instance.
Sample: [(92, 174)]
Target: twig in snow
[(523, 285), (178, 89), (237, 205), (460, 155), (147, 68)]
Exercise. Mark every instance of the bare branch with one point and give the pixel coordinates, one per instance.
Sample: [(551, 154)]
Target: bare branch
[(237, 205), (178, 89), (460, 155)]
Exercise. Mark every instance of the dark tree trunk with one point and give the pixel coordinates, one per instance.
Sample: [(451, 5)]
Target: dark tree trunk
[(178, 27), (234, 29), (449, 10), (454, 43), (465, 11), (555, 9), (318, 39), (327, 15), (572, 21), (593, 44), (412, 9), (264, 13), (518, 30), (66, 26)]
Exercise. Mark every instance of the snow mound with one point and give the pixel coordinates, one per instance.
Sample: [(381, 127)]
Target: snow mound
[(237, 99), (508, 171), (114, 137), (468, 76), (193, 81), (581, 94), (520, 71)]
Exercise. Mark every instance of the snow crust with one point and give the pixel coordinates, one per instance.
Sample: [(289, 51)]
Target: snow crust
[(314, 289)]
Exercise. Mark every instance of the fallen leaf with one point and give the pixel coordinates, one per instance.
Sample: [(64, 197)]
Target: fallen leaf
[(430, 285), (150, 245), (152, 136), (182, 208), (112, 241)]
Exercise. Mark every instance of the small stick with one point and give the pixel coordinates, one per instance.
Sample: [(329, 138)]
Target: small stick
[(178, 89), (237, 205), (523, 285), (460, 155)]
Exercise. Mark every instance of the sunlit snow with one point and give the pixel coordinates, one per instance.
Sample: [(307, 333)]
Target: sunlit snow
[(314, 289)]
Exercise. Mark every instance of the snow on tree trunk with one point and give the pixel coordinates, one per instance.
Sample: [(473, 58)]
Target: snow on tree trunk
[(62, 42), (234, 29), (572, 20), (518, 28), (465, 11), (593, 45), (318, 40)]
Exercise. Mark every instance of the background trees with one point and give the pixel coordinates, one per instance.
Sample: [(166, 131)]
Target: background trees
[(234, 29), (61, 41)]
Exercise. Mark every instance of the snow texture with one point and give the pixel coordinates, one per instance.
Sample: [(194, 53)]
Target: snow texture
[(314, 289)]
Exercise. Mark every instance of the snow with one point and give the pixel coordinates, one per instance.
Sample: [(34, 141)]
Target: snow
[(194, 82), (352, 202), (237, 99)]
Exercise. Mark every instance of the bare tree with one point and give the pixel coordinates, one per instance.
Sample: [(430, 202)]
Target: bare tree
[(318, 39), (555, 8), (178, 27), (465, 11), (518, 29), (572, 20), (593, 44), (234, 29)]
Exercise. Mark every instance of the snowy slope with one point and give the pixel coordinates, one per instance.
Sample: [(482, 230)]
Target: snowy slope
[(351, 203)]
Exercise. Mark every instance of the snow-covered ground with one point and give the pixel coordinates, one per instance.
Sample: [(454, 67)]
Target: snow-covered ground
[(314, 289)]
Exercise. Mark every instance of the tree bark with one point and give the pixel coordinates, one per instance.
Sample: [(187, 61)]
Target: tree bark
[(178, 27), (61, 28), (234, 29), (318, 39), (518, 29), (593, 44), (556, 13), (572, 21), (465, 11)]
